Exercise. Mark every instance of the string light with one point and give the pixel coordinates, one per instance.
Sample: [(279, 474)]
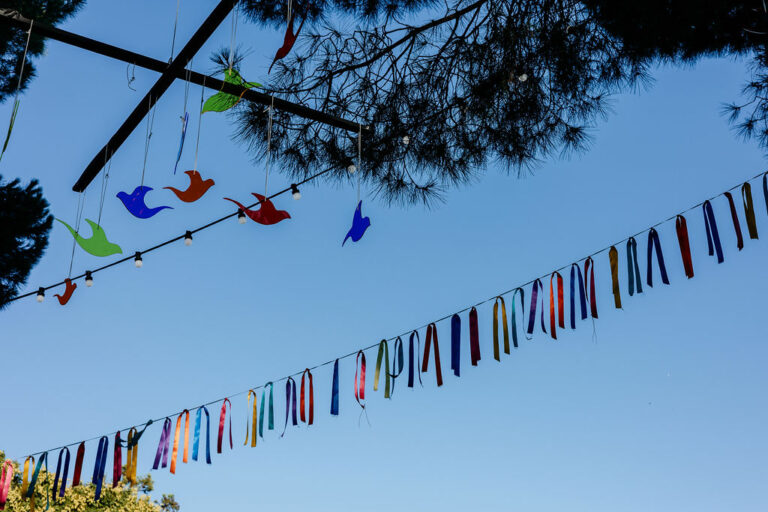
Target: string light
[(241, 216), (88, 278), (40, 294), (406, 140), (188, 238), (351, 169), (295, 192), (137, 260)]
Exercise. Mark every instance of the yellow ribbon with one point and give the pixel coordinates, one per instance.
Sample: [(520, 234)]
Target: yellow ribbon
[(253, 430), (25, 483), (132, 459), (496, 328)]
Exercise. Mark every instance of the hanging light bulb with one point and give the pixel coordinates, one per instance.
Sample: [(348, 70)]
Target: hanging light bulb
[(40, 294), (295, 192), (351, 169), (188, 238), (406, 140), (523, 77), (241, 216), (88, 278), (137, 260)]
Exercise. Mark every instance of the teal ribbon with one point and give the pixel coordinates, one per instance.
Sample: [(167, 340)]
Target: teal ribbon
[(271, 425)]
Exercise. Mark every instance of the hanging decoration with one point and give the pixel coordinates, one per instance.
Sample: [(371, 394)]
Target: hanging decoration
[(560, 308), (359, 223), (398, 363), (196, 189), (56, 491), (5, 482), (414, 353), (308, 417), (175, 451), (633, 270), (335, 389), (613, 258), (184, 122), (252, 427), (290, 403), (749, 210), (97, 244), (78, 464), (266, 214), (710, 226), (456, 345), (289, 39), (100, 466), (117, 461), (68, 291), (474, 337), (681, 227), (383, 354), (430, 338), (135, 204), (163, 445), (16, 100), (222, 418), (271, 423), (196, 442), (223, 101), (653, 242)]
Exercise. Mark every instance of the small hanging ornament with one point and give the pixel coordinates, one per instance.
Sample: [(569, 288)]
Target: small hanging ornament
[(266, 214), (359, 223), (68, 291), (288, 40), (196, 189), (135, 204), (97, 244)]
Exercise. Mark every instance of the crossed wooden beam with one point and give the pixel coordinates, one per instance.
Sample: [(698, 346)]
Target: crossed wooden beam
[(176, 69)]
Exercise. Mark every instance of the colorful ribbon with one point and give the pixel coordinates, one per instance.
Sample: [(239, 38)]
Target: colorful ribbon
[(532, 310), (335, 390), (653, 241), (78, 464), (633, 269), (413, 358), (514, 315), (735, 219), (560, 302), (576, 271), (749, 210), (496, 302), (100, 466), (131, 461), (613, 258), (710, 226), (196, 443), (252, 427), (589, 277), (360, 384), (765, 189), (290, 392), (382, 354), (25, 481), (310, 417), (5, 482), (474, 337), (162, 446), (432, 335), (271, 424), (175, 451), (56, 491), (398, 363), (33, 481), (685, 247), (456, 345), (222, 419), (117, 461)]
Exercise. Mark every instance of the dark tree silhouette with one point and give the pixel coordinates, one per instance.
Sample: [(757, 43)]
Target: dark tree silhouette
[(24, 226)]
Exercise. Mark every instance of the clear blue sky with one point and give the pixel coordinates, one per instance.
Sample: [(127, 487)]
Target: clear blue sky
[(661, 407)]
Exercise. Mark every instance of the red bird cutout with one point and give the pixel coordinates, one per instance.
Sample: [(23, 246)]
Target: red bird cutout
[(70, 289), (197, 187), (288, 41), (266, 214)]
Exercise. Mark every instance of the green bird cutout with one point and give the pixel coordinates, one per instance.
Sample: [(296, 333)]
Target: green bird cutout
[(222, 101), (98, 245)]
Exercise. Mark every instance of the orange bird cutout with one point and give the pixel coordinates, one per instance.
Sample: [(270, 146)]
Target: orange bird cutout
[(196, 189), (288, 41), (266, 214), (68, 291)]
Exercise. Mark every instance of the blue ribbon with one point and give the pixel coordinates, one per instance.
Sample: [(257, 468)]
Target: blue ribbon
[(290, 392), (765, 189), (196, 443), (398, 362), (33, 480), (271, 425), (100, 466), (532, 313), (335, 392), (58, 473), (411, 358), (710, 225), (576, 271), (633, 269), (653, 241), (456, 344), (514, 316)]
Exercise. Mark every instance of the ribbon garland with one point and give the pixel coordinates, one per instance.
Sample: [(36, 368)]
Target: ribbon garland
[(532, 310), (360, 384), (290, 392), (432, 335), (412, 358), (474, 337), (653, 241), (5, 482), (456, 344), (271, 424), (685, 247), (514, 316), (56, 491), (78, 464), (561, 308), (335, 389), (252, 427), (196, 443), (613, 258), (100, 466), (749, 210), (223, 417), (175, 451), (162, 446), (117, 461), (382, 354), (310, 417), (633, 269), (496, 302), (735, 219), (710, 226)]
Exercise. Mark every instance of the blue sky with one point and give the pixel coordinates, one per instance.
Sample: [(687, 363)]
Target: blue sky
[(658, 406)]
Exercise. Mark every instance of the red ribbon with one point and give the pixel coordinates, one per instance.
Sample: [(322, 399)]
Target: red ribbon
[(685, 246), (78, 464), (474, 337), (5, 482), (432, 333), (311, 399), (589, 275), (222, 418), (117, 461), (560, 305), (360, 384), (735, 217)]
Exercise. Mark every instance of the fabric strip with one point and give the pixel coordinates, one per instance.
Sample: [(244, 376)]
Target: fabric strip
[(162, 446), (474, 337), (117, 461), (413, 355), (589, 277), (56, 492), (271, 424), (382, 355), (432, 336), (613, 257), (685, 247), (335, 390), (633, 269), (309, 417), (496, 302), (576, 274), (653, 242), (222, 418), (735, 219), (456, 345), (100, 465), (749, 210), (290, 400), (78, 464), (360, 382), (514, 316), (710, 226), (560, 306), (532, 309), (196, 443)]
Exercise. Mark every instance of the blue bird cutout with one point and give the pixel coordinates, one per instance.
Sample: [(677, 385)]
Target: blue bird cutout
[(184, 121), (359, 225), (134, 203)]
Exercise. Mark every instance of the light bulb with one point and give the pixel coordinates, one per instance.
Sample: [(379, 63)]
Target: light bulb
[(240, 217), (40, 294), (351, 169), (88, 278), (295, 192), (188, 238), (523, 77), (406, 140), (137, 260)]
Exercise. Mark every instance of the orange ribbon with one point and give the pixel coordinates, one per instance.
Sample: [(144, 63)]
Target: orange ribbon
[(613, 257), (175, 452)]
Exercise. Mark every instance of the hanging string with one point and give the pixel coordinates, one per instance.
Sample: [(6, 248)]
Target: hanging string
[(104, 181), (24, 58), (15, 110), (233, 38), (187, 74), (199, 120), (269, 146), (78, 217), (175, 24), (130, 75), (150, 123), (288, 14), (359, 157)]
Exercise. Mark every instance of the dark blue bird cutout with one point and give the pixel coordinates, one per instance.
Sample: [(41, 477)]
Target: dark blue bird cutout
[(184, 121), (359, 225), (134, 203)]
